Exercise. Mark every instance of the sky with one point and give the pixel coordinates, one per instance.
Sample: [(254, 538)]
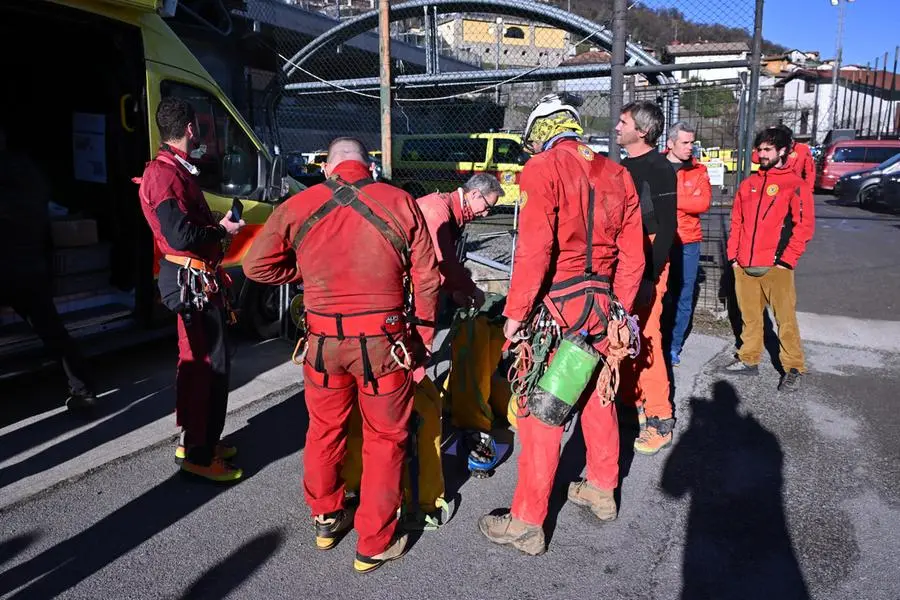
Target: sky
[(871, 27)]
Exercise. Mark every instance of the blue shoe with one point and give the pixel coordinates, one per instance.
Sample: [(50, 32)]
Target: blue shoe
[(676, 360)]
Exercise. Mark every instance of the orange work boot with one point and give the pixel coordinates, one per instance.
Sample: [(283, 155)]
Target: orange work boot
[(222, 451), (218, 470), (508, 530), (601, 502), (655, 436)]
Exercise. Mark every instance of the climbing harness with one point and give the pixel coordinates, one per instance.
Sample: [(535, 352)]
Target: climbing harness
[(198, 282), (552, 394), (392, 324)]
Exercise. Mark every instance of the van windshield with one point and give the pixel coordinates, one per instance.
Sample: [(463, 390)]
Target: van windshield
[(444, 150)]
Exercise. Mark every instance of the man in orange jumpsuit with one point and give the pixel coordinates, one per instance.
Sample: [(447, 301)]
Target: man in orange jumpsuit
[(646, 382), (580, 226), (190, 240), (352, 242), (446, 215)]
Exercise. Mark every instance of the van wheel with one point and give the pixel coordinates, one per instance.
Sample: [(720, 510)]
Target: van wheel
[(865, 198), (259, 312), (414, 189)]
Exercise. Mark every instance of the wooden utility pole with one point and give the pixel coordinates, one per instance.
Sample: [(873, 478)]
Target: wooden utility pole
[(384, 49)]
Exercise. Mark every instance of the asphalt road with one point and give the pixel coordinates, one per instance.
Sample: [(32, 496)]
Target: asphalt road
[(761, 496)]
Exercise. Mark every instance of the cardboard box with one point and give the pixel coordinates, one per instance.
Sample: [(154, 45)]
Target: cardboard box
[(72, 233), (71, 261)]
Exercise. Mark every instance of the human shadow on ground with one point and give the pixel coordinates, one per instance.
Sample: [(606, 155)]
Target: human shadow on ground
[(273, 434), (135, 405), (238, 567), (15, 545), (737, 543)]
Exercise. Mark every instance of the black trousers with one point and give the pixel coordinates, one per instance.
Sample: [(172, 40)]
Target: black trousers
[(32, 299)]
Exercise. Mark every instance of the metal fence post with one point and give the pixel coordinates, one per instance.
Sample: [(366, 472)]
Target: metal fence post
[(384, 49), (873, 90), (742, 156), (617, 78), (755, 59)]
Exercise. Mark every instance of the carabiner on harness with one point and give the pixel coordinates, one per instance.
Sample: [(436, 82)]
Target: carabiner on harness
[(299, 355), (398, 349)]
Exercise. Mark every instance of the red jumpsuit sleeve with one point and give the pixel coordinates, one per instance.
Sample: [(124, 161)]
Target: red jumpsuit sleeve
[(697, 202), (809, 169), (737, 219), (456, 277), (534, 244), (804, 219), (630, 244), (426, 278), (271, 258)]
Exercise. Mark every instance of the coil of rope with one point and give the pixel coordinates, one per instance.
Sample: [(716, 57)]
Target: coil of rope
[(528, 367), (621, 345)]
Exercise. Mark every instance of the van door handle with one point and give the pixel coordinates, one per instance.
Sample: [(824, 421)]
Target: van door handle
[(122, 116)]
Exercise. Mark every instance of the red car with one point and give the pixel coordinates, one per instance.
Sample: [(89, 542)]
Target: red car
[(848, 156)]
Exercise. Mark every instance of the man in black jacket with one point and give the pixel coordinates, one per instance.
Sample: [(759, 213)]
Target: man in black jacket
[(26, 242), (647, 384)]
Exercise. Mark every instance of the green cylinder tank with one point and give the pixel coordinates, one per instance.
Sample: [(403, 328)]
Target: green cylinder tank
[(565, 380)]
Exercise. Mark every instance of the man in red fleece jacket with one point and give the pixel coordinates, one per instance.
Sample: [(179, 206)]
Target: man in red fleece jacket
[(772, 220), (446, 215)]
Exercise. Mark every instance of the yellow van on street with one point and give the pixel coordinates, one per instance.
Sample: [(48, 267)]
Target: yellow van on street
[(423, 164), (81, 105)]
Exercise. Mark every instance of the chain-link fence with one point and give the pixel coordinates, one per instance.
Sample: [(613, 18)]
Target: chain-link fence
[(466, 75)]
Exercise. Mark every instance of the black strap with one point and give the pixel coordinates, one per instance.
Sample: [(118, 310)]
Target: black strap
[(319, 366), (339, 324), (368, 375), (588, 255), (344, 194)]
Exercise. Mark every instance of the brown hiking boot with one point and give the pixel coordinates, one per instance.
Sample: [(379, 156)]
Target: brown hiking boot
[(508, 530), (601, 502), (367, 564)]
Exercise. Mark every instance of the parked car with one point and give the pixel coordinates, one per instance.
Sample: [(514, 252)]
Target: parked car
[(865, 187), (600, 145), (848, 156), (890, 189)]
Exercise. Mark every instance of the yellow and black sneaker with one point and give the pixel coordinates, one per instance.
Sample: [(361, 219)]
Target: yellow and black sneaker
[(218, 470), (222, 451), (367, 564), (331, 527)]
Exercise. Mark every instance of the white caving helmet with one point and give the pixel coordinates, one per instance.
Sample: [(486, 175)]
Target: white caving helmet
[(548, 105)]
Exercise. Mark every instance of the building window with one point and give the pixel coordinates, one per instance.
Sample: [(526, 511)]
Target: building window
[(810, 86), (804, 121), (515, 33)]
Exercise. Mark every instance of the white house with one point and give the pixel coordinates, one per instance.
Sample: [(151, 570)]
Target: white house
[(706, 52), (867, 101)]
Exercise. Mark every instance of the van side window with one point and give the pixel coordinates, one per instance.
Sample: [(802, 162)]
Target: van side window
[(850, 154), (227, 157), (444, 150), (506, 151)]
